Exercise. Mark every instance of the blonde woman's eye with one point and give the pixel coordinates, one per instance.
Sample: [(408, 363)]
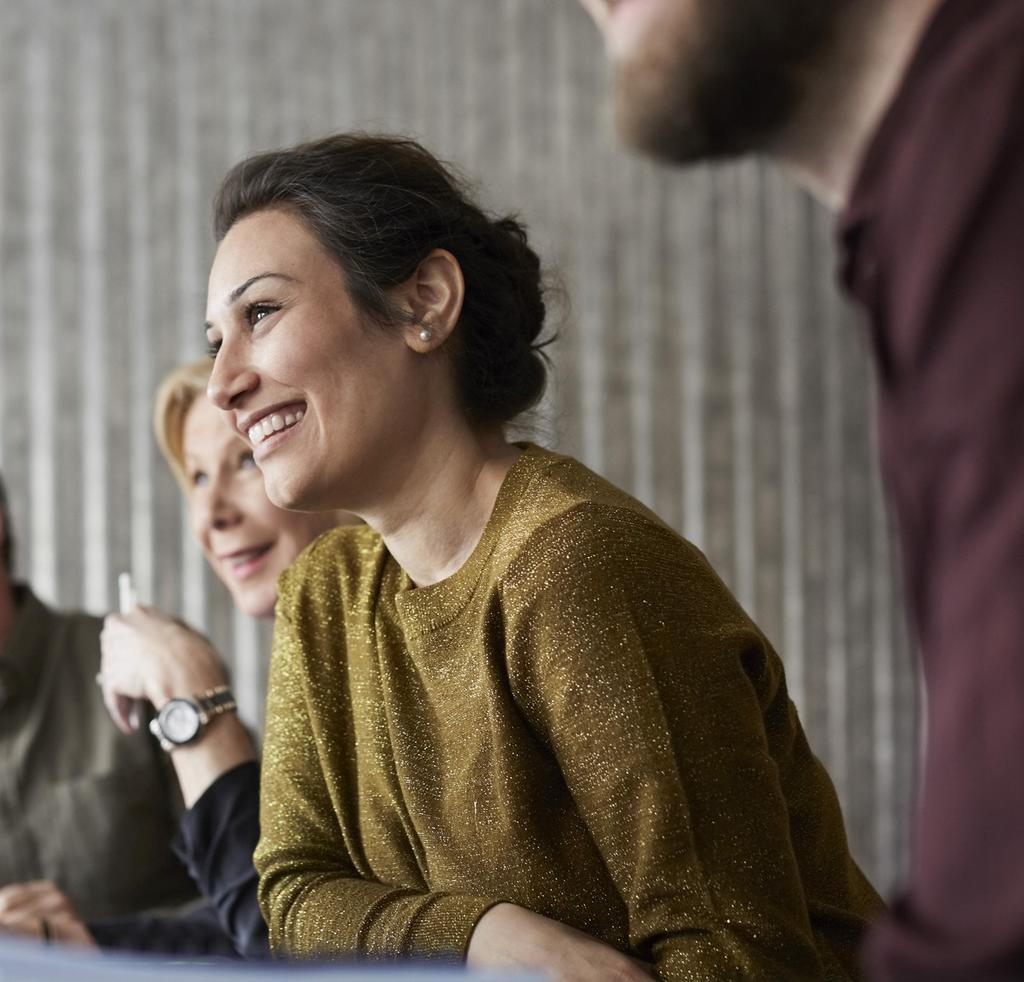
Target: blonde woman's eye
[(198, 478), (246, 460)]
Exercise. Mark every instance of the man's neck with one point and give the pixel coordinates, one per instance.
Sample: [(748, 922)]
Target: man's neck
[(849, 93)]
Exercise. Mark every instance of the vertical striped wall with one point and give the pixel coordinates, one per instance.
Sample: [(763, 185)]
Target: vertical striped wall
[(706, 361)]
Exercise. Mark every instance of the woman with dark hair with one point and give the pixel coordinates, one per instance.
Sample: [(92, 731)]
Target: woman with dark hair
[(514, 718)]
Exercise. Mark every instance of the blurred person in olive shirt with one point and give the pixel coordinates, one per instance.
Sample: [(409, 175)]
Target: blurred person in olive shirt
[(81, 804)]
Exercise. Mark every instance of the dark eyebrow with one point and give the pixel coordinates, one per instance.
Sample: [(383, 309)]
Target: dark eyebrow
[(239, 290)]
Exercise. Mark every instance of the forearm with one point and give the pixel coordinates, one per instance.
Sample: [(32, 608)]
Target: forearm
[(225, 744)]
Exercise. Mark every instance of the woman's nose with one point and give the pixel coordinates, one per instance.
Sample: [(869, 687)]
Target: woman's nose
[(231, 379), (215, 510)]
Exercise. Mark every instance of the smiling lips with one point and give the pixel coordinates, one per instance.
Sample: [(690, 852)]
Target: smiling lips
[(245, 562), (273, 423)]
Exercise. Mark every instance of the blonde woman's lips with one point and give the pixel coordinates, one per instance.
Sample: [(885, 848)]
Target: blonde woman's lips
[(244, 564)]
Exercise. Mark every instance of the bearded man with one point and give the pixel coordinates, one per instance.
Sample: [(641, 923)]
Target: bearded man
[(904, 116)]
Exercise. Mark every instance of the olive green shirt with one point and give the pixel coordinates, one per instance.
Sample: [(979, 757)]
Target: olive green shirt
[(80, 803), (581, 720)]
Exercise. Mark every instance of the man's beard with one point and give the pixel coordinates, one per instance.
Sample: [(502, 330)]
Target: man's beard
[(727, 83)]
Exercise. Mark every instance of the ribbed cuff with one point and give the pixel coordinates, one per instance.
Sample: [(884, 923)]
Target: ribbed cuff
[(442, 929)]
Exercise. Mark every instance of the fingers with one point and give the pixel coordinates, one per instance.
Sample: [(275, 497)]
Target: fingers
[(120, 664), (147, 655), (21, 925), (35, 898), (121, 709), (65, 930)]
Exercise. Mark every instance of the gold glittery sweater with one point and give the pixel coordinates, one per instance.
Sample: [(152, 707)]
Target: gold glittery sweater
[(581, 720)]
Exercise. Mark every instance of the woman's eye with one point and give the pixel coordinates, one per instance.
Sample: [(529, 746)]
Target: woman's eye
[(256, 312), (246, 460), (198, 478), (212, 347)]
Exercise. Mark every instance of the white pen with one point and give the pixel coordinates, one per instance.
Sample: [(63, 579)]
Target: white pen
[(126, 592), (127, 600)]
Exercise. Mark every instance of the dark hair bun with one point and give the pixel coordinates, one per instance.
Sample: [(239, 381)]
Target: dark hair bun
[(380, 205), (502, 369)]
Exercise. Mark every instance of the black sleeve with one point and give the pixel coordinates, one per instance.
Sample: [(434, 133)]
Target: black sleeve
[(216, 840), (197, 933)]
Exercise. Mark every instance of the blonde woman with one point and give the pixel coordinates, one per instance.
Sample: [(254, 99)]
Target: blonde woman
[(148, 655)]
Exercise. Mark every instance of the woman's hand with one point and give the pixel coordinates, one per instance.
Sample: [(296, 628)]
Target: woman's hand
[(40, 909), (147, 655), (511, 937)]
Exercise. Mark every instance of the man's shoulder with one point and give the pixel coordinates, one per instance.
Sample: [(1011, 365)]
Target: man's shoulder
[(72, 632)]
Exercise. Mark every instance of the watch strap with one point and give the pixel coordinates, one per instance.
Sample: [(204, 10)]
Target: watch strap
[(213, 702)]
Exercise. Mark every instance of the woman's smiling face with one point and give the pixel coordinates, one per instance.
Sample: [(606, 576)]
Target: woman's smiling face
[(247, 541), (326, 400)]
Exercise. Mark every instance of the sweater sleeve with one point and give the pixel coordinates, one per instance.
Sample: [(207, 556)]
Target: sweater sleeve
[(315, 898), (216, 841), (649, 684)]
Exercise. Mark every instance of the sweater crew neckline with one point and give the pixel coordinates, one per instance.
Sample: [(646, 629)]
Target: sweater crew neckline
[(429, 608)]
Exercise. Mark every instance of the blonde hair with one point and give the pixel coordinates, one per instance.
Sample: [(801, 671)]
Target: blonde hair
[(175, 397)]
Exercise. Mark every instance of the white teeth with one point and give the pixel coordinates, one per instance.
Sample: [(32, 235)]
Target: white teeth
[(258, 432)]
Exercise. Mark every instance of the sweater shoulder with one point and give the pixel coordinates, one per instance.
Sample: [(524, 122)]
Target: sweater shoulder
[(567, 512), (334, 569)]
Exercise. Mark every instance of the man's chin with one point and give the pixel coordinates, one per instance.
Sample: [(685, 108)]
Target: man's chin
[(658, 133), (726, 87)]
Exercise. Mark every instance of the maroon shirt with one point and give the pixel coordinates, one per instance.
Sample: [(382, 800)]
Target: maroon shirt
[(934, 240)]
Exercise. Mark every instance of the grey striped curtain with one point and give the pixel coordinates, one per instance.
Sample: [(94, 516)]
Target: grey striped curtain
[(706, 361)]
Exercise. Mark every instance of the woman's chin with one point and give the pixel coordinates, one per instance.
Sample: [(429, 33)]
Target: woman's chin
[(282, 489), (259, 601)]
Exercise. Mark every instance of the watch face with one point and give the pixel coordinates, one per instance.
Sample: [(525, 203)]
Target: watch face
[(179, 720)]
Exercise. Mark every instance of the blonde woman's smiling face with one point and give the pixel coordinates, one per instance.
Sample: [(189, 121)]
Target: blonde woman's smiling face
[(246, 539)]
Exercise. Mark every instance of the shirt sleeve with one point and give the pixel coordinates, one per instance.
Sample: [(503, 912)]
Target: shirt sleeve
[(197, 933), (649, 684), (216, 841), (313, 896)]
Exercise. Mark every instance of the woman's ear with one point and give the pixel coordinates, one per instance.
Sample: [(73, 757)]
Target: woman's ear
[(433, 295)]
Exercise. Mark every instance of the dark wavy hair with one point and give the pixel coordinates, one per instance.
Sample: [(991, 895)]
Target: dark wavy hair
[(379, 204)]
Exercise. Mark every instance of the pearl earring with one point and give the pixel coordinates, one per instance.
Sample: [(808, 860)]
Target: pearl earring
[(426, 334)]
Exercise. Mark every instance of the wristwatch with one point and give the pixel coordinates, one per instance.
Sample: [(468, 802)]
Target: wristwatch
[(182, 721)]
